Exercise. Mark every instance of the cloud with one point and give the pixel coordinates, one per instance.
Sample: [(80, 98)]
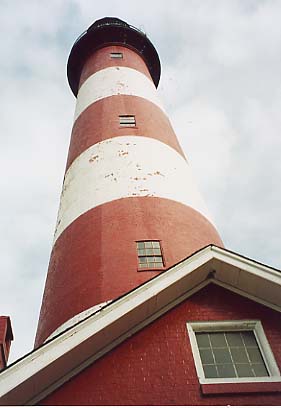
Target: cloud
[(221, 87)]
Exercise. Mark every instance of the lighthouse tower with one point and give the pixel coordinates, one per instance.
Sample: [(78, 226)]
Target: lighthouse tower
[(129, 207)]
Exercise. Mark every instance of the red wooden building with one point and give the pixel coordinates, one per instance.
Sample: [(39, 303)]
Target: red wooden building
[(142, 305)]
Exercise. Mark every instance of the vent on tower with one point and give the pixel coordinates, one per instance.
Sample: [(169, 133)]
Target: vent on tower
[(127, 120), (116, 55)]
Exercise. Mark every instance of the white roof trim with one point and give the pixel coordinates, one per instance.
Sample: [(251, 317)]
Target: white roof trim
[(245, 263), (70, 352)]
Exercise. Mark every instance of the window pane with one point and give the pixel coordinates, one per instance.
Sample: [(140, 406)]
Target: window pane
[(244, 370), (140, 245), (141, 251), (142, 259), (156, 244), (239, 355), (149, 251), (206, 356), (150, 258), (234, 339), (210, 371), (158, 259), (151, 265), (249, 339), (222, 356), (202, 340), (218, 340), (157, 251), (260, 370), (226, 371), (255, 355), (159, 264), (148, 244)]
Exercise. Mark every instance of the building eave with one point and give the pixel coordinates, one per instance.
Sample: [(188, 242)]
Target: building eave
[(36, 375)]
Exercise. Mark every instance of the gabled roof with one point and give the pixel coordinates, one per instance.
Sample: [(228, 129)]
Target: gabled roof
[(40, 372)]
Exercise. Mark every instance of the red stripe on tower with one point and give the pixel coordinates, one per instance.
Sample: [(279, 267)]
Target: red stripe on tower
[(129, 206)]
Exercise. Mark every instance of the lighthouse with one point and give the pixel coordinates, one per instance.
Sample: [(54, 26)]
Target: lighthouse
[(142, 305), (130, 207)]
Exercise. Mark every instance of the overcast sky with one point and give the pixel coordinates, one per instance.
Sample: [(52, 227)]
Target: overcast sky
[(221, 87)]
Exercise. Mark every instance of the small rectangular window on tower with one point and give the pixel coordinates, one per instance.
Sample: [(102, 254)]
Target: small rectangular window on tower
[(116, 55), (149, 255), (127, 120)]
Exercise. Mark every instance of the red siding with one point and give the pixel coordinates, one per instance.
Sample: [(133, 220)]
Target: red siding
[(96, 255), (156, 367), (101, 59), (100, 121)]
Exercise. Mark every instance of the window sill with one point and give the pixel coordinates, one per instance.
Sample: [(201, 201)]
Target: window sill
[(151, 269), (128, 127), (268, 386)]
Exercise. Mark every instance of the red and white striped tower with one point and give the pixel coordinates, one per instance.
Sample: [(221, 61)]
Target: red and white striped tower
[(127, 181)]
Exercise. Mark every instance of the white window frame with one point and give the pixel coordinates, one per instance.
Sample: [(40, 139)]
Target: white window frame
[(234, 325)]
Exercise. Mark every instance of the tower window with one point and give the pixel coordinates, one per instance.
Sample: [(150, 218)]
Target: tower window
[(235, 350), (149, 255), (116, 55), (127, 120)]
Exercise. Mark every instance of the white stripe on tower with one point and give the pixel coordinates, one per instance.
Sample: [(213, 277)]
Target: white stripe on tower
[(124, 167), (115, 81)]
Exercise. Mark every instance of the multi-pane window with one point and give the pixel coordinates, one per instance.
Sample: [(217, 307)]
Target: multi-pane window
[(149, 255), (127, 120), (116, 55), (230, 354), (233, 350)]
